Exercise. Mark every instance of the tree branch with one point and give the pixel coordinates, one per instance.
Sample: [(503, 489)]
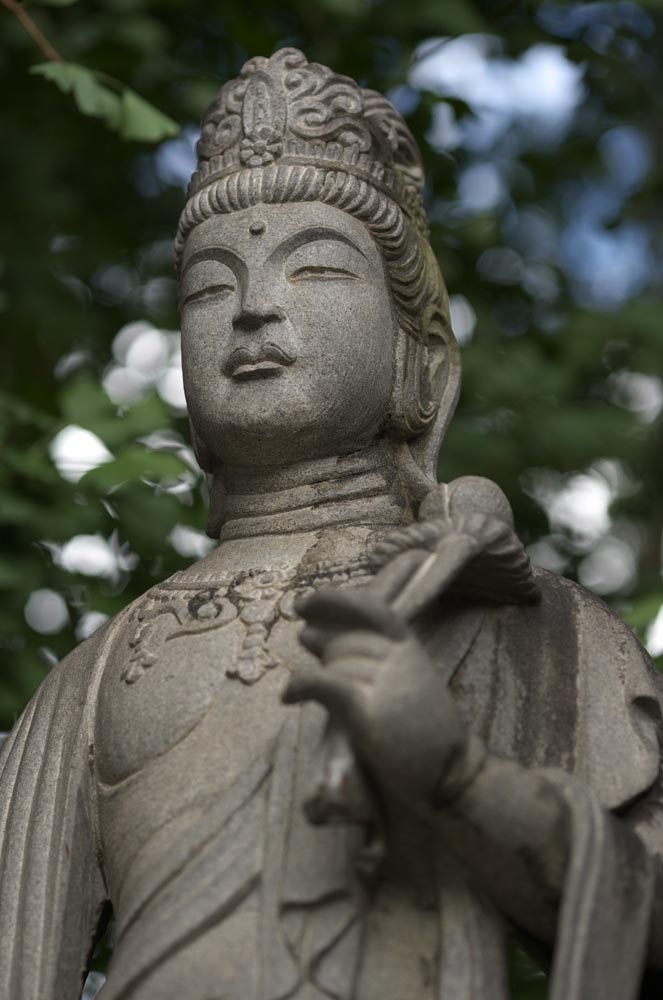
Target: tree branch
[(40, 40)]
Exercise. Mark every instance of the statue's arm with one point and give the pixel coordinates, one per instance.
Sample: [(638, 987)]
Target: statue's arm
[(541, 841), (52, 891), (563, 868), (560, 866)]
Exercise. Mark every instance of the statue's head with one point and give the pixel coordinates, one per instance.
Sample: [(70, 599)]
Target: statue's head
[(314, 316)]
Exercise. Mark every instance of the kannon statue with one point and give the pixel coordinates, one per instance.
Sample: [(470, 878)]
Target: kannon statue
[(362, 743)]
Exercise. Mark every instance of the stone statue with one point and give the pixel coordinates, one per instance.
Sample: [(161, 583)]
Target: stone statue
[(456, 748)]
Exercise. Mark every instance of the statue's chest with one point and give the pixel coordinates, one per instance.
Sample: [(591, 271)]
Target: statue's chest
[(190, 651)]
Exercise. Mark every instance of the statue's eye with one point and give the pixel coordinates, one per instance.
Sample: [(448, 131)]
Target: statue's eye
[(315, 272), (219, 292)]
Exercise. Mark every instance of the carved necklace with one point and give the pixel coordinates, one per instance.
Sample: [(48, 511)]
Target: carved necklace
[(257, 598)]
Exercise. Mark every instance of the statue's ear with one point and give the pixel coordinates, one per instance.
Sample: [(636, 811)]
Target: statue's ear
[(411, 407), (426, 368), (440, 342), (436, 364), (444, 372)]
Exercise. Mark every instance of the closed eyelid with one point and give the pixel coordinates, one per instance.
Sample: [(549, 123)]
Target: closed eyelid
[(208, 290), (322, 271), (215, 283)]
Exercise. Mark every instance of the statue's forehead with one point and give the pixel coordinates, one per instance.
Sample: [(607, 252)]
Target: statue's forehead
[(266, 226)]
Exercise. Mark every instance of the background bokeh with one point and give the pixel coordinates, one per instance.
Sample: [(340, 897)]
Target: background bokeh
[(537, 127)]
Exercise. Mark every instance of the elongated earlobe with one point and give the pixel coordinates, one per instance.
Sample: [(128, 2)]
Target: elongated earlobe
[(411, 407), (444, 376), (423, 371), (424, 397)]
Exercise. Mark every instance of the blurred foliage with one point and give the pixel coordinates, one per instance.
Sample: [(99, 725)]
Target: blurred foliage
[(83, 206), (125, 111)]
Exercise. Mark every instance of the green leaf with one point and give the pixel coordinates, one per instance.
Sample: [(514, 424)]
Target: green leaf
[(20, 412), (84, 402), (134, 463), (92, 97), (344, 8), (61, 73), (641, 612), (11, 574), (142, 121), (18, 510), (454, 17), (55, 3), (527, 980), (128, 114), (144, 416), (144, 33), (32, 464)]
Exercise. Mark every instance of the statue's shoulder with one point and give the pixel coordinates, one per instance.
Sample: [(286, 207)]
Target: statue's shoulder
[(589, 697), (87, 658), (540, 612), (597, 628), (618, 693), (79, 665), (90, 653), (571, 634), (572, 625), (63, 694)]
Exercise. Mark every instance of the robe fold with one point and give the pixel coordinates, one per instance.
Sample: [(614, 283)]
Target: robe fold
[(546, 698), (52, 890)]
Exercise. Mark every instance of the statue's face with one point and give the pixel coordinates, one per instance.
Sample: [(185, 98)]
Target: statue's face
[(288, 334)]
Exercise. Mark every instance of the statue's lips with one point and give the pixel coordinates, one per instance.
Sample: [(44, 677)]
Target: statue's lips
[(261, 369), (264, 361)]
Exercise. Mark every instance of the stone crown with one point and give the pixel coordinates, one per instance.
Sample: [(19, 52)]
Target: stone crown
[(286, 110)]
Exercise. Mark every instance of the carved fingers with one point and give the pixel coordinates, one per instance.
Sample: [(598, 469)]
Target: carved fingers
[(336, 690), (354, 636), (335, 612), (383, 691)]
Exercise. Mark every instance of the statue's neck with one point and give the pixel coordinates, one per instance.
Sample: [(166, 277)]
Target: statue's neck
[(357, 489)]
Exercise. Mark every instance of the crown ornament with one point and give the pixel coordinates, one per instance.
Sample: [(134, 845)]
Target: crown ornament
[(287, 111)]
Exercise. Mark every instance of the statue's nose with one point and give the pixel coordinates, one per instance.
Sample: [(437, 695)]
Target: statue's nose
[(247, 319), (257, 308)]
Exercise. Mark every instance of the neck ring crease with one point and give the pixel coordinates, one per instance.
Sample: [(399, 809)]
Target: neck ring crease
[(361, 488)]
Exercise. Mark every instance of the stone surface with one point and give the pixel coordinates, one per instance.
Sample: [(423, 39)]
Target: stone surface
[(456, 748)]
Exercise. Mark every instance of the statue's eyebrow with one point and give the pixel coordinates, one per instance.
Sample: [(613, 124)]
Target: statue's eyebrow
[(313, 234), (221, 254)]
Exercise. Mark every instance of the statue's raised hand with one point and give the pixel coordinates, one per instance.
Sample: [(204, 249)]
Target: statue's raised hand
[(382, 689)]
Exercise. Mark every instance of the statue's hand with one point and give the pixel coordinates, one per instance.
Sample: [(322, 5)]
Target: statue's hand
[(381, 687)]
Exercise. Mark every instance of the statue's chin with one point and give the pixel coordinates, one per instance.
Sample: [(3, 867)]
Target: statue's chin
[(256, 424), (261, 442)]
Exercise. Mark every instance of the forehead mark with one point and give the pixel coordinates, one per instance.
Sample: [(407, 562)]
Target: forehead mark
[(257, 228)]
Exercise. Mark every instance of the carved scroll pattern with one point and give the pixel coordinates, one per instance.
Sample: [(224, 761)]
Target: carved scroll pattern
[(286, 97), (256, 598)]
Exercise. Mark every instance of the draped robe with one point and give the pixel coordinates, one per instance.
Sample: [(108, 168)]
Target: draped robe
[(180, 799)]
